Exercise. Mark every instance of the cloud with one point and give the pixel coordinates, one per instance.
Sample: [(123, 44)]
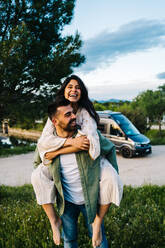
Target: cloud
[(161, 75), (133, 37), (125, 91)]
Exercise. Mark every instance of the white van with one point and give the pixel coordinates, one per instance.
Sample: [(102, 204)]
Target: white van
[(127, 139)]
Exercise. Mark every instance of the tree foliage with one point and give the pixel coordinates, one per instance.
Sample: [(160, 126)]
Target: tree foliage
[(147, 105), (34, 55), (153, 105), (135, 115)]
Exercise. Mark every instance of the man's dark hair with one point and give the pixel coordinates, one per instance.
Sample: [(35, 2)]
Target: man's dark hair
[(59, 101)]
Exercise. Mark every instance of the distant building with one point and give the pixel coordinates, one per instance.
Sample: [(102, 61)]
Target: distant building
[(39, 121), (5, 124), (163, 120)]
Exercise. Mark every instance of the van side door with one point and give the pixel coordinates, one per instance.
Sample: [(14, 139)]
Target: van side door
[(116, 135), (110, 129)]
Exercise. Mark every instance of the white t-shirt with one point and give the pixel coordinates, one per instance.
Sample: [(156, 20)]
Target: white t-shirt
[(70, 178)]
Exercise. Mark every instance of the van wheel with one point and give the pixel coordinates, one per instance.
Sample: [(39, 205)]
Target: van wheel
[(126, 152)]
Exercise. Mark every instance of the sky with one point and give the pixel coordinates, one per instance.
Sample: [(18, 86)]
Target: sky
[(124, 46)]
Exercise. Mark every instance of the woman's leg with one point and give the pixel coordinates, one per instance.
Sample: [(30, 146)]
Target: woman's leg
[(111, 187), (44, 188), (101, 241), (54, 220), (111, 190), (96, 225)]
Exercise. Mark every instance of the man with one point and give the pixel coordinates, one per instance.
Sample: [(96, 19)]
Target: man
[(76, 178)]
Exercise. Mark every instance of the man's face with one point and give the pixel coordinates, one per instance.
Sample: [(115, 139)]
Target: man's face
[(65, 118)]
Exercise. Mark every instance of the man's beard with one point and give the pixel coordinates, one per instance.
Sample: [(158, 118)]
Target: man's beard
[(69, 127)]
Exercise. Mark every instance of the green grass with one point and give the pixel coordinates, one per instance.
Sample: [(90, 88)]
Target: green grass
[(5, 152), (155, 137), (138, 223)]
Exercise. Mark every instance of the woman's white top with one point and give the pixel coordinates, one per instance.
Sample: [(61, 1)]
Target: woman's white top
[(49, 142)]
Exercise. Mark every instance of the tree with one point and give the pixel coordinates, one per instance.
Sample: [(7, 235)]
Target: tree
[(153, 105), (99, 106), (162, 89), (34, 55)]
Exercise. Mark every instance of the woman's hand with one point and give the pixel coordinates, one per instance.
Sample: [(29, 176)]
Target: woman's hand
[(51, 155), (81, 142)]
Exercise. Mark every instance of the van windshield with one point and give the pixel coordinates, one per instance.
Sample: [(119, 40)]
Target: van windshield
[(127, 126)]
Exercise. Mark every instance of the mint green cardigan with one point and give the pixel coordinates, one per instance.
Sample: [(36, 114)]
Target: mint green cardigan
[(89, 173)]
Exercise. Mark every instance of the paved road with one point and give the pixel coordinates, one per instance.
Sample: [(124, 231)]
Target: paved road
[(16, 170), (144, 170)]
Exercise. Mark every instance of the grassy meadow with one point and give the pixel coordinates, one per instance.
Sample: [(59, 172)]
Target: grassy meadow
[(139, 221)]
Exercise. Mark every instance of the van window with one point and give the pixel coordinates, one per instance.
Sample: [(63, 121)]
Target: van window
[(102, 128), (115, 130), (125, 124)]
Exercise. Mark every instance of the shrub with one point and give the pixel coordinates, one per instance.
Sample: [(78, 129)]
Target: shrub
[(155, 137)]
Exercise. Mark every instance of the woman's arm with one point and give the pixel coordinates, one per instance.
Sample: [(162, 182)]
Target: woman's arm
[(66, 150), (49, 142)]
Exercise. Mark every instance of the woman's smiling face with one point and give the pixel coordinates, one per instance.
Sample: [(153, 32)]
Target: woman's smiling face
[(72, 91)]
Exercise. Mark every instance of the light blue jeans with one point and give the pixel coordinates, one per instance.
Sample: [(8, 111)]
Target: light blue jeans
[(69, 223)]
